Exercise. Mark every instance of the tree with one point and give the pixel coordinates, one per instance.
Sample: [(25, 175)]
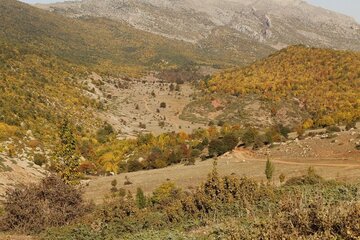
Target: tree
[(67, 156), (269, 169), (140, 198)]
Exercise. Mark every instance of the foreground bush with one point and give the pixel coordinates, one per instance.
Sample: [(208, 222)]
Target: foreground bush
[(33, 208), (227, 207)]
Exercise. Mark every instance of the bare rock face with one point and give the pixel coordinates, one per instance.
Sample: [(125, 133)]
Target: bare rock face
[(274, 23)]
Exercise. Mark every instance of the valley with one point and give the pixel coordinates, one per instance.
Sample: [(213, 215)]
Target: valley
[(133, 106), (162, 119)]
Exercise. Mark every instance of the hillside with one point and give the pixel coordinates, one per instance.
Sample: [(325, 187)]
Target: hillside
[(261, 24), (37, 91), (101, 44), (44, 56), (324, 83)]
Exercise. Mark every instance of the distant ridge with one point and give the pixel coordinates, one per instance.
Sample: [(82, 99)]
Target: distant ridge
[(272, 23)]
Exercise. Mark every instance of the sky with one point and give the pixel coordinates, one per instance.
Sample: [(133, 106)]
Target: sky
[(348, 7)]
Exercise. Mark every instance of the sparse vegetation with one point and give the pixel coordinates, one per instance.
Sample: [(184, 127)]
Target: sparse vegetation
[(229, 207)]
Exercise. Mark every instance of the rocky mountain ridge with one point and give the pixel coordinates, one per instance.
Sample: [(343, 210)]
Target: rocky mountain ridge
[(274, 23)]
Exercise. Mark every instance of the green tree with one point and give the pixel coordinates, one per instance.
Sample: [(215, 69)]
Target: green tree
[(67, 157), (269, 169), (140, 198)]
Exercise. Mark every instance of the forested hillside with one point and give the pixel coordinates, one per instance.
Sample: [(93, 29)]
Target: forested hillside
[(43, 55), (104, 45), (326, 83), (37, 90)]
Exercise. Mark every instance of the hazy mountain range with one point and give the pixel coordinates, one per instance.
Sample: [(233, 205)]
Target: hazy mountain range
[(270, 23)]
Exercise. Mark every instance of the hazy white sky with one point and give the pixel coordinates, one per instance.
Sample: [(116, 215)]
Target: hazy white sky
[(349, 7)]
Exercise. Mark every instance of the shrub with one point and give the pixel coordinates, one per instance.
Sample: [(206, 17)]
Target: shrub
[(104, 133), (332, 129), (211, 123), (284, 131), (282, 177), (249, 136), (134, 165), (310, 178), (142, 125), (163, 105), (51, 203), (40, 159), (216, 147), (162, 124), (118, 208), (165, 194), (350, 125), (178, 88), (114, 186), (174, 157), (230, 141), (221, 123)]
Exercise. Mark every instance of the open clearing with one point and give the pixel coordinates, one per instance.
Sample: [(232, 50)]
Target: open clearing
[(334, 158), (133, 106)]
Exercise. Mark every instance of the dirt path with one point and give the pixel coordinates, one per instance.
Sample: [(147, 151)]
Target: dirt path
[(312, 163), (342, 162)]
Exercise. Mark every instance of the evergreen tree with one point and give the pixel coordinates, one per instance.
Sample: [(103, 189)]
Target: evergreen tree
[(67, 156), (140, 198), (269, 170)]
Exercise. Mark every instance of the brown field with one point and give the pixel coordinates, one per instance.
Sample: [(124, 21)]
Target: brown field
[(334, 158)]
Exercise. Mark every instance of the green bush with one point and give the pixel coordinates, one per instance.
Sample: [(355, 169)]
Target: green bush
[(103, 134), (134, 165), (249, 136), (40, 159)]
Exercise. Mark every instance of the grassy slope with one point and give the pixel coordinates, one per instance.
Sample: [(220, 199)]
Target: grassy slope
[(326, 82)]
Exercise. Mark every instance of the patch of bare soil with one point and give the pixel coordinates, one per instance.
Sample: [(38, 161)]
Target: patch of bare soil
[(15, 171), (133, 106)]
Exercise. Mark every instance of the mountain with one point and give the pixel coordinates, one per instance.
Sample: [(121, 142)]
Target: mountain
[(241, 25), (101, 44), (323, 83)]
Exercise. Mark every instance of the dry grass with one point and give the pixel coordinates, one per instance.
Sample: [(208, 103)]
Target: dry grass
[(341, 166)]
